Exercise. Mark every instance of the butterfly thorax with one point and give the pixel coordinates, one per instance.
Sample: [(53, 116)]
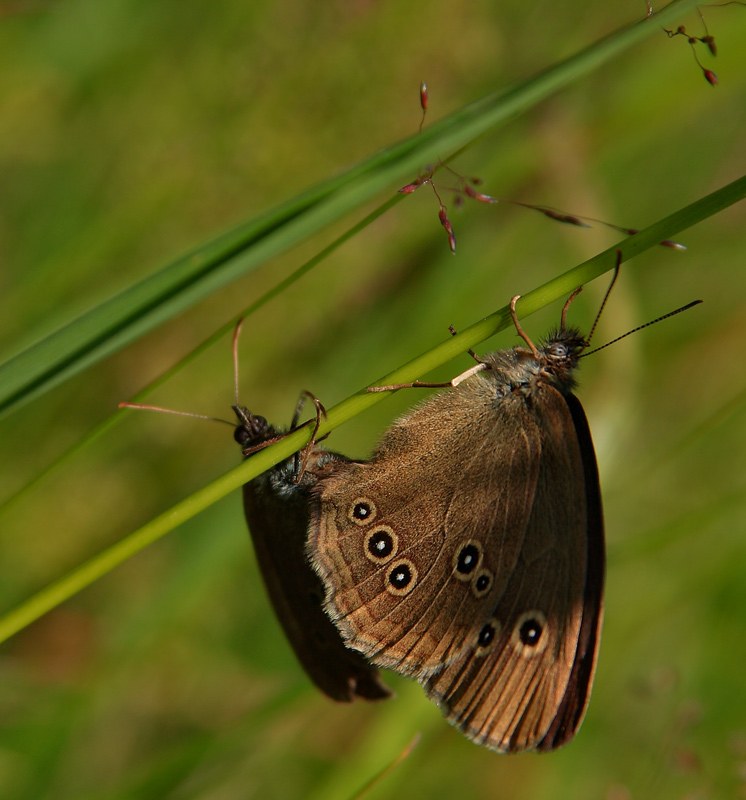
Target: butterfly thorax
[(291, 477), (519, 370)]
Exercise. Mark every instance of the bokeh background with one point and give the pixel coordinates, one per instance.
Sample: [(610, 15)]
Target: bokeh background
[(131, 131)]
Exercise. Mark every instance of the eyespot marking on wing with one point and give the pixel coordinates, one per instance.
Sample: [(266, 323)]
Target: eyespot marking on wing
[(488, 637), (401, 577), (530, 634), (482, 583), (381, 544), (362, 511), (467, 559)]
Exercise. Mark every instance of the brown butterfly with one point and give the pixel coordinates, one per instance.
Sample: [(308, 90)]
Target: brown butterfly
[(276, 505), (468, 552)]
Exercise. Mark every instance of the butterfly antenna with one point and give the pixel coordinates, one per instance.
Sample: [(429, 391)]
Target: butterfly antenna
[(606, 297), (236, 335), (142, 406), (646, 325)]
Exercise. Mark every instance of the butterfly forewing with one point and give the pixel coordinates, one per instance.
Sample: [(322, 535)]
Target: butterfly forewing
[(472, 513), (532, 680), (577, 694), (468, 552), (277, 512)]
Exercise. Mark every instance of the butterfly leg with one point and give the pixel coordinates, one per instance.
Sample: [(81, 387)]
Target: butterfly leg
[(448, 384), (519, 329), (454, 332), (301, 457)]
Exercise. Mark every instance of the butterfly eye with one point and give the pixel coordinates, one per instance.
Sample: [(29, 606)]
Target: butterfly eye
[(401, 577), (467, 559), (241, 435), (362, 511), (381, 544), (558, 351)]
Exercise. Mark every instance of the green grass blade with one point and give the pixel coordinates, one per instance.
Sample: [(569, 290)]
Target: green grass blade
[(103, 563), (148, 304), (216, 336)]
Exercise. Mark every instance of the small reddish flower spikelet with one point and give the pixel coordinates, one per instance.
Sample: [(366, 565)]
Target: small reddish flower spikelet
[(707, 39), (423, 102), (710, 42), (665, 243), (569, 219), (446, 223), (465, 188), (413, 187), (673, 245), (483, 198)]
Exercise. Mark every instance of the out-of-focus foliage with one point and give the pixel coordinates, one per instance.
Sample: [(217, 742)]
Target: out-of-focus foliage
[(131, 131)]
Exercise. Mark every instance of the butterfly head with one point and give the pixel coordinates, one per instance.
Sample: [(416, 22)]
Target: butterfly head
[(559, 354), (251, 430)]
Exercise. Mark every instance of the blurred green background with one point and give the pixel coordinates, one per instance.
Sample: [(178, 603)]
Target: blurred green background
[(131, 131)]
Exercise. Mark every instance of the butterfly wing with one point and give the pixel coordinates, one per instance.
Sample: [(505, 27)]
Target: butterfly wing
[(525, 686), (276, 509), (577, 694), (415, 546), (459, 554)]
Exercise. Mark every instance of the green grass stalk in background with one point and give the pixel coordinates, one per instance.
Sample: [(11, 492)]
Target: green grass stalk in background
[(97, 567), (170, 291), (133, 131)]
